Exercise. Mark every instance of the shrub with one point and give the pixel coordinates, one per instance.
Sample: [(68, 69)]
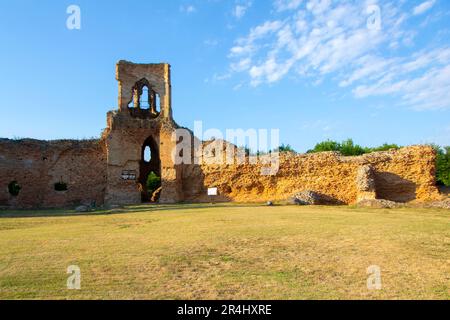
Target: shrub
[(346, 148), (153, 182), (349, 148), (328, 145), (443, 166), (384, 147), (286, 148), (14, 188)]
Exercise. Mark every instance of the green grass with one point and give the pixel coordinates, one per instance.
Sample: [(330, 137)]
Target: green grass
[(226, 252)]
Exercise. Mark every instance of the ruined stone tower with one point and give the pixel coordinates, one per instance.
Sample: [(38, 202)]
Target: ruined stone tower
[(143, 121)]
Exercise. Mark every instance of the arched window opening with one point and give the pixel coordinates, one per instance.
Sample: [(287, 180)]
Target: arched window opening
[(157, 103), (60, 186), (134, 103), (14, 188), (147, 154), (144, 99), (150, 171)]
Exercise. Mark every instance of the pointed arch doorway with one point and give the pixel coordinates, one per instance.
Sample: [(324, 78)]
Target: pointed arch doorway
[(150, 171)]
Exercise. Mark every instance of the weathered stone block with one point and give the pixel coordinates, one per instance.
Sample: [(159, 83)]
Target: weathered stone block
[(312, 198), (365, 183)]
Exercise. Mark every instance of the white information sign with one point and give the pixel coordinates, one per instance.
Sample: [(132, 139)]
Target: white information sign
[(212, 191)]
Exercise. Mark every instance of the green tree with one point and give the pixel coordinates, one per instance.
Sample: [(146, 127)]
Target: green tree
[(349, 148), (153, 182), (286, 148), (443, 166), (384, 147), (328, 145)]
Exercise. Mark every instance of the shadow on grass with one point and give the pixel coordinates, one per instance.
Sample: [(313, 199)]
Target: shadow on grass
[(124, 210)]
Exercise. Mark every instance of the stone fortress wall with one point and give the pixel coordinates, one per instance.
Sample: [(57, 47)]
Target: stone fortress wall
[(111, 170), (402, 175), (37, 165)]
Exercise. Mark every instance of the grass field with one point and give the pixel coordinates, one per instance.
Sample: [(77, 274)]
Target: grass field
[(226, 252)]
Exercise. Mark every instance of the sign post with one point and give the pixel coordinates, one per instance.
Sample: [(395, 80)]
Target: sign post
[(212, 192)]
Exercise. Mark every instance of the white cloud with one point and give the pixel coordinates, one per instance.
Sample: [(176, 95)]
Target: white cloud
[(318, 6), (264, 29), (247, 45), (241, 9), (324, 125), (430, 90), (211, 42), (188, 9), (282, 5), (323, 45), (241, 65), (423, 7), (331, 39), (270, 70)]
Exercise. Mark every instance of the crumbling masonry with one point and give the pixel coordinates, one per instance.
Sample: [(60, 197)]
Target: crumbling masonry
[(113, 169)]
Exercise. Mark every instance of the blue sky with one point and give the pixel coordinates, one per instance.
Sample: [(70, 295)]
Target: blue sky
[(315, 69)]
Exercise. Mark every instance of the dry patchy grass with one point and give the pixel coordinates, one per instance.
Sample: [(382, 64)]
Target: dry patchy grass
[(226, 252)]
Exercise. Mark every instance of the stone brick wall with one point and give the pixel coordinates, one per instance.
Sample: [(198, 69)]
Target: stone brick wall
[(38, 165), (403, 175)]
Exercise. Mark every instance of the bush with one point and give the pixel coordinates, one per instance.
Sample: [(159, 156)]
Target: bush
[(349, 148), (14, 188), (286, 148), (443, 166), (326, 146), (153, 182), (384, 147)]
